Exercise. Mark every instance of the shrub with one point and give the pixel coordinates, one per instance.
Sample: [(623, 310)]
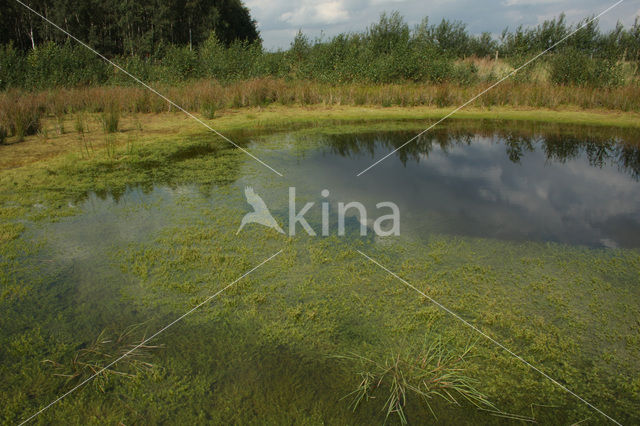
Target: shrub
[(137, 66), (241, 60), (51, 65), (12, 67), (180, 63), (571, 66)]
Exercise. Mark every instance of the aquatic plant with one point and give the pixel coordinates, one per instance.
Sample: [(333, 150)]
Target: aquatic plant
[(434, 372), (111, 117), (96, 357), (569, 309)]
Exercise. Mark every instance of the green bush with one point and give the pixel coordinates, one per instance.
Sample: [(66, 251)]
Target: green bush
[(241, 60), (389, 51), (12, 67), (571, 66), (67, 65), (139, 67), (180, 63)]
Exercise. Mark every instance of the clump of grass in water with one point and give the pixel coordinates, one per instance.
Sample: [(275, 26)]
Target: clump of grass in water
[(60, 114), (80, 124), (209, 110), (91, 360), (433, 372), (110, 145), (43, 133), (111, 118), (81, 128)]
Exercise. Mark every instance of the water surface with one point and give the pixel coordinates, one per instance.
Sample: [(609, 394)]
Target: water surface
[(532, 235)]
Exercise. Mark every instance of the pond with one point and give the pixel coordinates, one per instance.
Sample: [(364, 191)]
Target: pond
[(578, 191), (530, 232)]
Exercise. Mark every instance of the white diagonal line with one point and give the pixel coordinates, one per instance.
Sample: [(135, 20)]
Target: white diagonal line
[(151, 89), (491, 339), (180, 318), (490, 87)]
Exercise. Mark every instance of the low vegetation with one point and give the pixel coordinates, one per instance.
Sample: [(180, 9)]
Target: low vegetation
[(389, 64), (75, 259), (433, 372)]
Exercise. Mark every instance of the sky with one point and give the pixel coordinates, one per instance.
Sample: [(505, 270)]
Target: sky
[(279, 20)]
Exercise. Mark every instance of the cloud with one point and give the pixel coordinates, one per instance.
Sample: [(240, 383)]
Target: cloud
[(529, 2), (279, 19), (331, 12)]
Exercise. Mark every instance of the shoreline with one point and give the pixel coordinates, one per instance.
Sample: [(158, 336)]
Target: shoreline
[(146, 128)]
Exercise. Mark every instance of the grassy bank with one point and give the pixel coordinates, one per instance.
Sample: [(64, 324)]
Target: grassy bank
[(83, 133)]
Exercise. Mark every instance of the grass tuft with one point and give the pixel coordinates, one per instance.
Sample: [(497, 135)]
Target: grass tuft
[(434, 372), (111, 118), (92, 359)]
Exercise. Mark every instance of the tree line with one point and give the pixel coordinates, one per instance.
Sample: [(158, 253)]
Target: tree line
[(131, 27), (389, 50)]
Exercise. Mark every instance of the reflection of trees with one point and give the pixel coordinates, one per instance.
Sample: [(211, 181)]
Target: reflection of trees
[(558, 142), (202, 161), (599, 152), (354, 145), (516, 146)]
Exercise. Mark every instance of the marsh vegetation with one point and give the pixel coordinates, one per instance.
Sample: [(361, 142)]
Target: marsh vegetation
[(117, 215), (141, 235)]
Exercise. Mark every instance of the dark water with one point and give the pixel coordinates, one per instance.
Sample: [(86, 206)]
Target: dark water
[(575, 190)]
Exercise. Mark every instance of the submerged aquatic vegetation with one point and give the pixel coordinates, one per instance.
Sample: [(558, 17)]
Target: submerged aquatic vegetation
[(159, 229), (101, 359), (434, 372)]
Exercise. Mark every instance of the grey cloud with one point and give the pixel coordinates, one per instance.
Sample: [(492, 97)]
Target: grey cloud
[(279, 20)]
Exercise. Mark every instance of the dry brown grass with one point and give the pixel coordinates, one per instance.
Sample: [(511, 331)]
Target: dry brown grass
[(204, 95)]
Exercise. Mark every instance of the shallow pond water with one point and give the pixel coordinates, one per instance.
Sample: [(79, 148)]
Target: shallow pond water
[(531, 235), (535, 189)]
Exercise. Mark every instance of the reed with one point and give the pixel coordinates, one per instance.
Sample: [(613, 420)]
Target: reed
[(20, 115), (210, 96)]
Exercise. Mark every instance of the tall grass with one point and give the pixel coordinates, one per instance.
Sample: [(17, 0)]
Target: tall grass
[(20, 112)]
